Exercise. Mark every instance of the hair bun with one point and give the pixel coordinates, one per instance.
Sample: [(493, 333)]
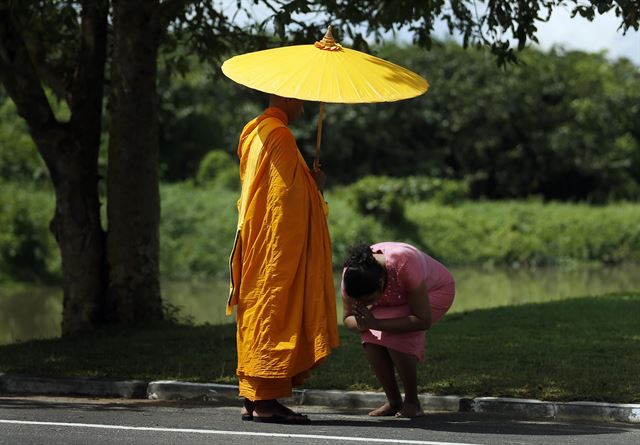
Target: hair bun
[(360, 255)]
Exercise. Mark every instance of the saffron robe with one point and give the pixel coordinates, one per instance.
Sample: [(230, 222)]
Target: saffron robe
[(281, 268)]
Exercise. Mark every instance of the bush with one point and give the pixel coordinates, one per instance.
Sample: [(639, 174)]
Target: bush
[(378, 196), (529, 233), (217, 167), (28, 251), (386, 198), (19, 158), (441, 191), (198, 226), (348, 227), (197, 230)]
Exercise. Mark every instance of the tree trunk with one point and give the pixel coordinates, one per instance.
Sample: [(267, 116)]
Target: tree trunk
[(133, 193), (76, 226), (70, 151)]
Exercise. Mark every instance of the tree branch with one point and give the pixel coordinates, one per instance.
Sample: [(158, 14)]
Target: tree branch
[(168, 10), (20, 79), (48, 75)]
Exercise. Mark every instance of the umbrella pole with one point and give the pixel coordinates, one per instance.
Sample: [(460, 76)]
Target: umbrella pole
[(316, 161)]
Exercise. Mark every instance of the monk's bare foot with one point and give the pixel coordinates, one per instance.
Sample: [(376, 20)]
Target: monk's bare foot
[(411, 410), (386, 410), (247, 409), (248, 406)]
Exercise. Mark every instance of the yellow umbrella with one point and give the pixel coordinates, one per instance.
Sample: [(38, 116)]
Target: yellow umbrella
[(324, 72)]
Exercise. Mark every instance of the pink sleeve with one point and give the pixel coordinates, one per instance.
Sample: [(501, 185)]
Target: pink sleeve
[(412, 271)]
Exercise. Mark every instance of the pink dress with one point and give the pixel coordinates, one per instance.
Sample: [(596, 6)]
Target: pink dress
[(407, 267)]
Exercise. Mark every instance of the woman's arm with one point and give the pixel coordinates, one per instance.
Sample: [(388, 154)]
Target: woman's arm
[(418, 320)]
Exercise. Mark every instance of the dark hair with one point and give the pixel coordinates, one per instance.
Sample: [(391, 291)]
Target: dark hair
[(362, 272)]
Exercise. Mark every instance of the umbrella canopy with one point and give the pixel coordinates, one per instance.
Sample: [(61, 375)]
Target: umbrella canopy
[(324, 72)]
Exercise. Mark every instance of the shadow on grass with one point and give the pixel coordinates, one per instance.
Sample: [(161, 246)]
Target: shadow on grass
[(162, 351)]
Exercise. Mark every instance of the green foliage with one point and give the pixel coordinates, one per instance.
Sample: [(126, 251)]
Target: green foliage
[(197, 228), (383, 195), (19, 158), (196, 114), (218, 167), (348, 226), (379, 197), (493, 26), (441, 191), (540, 128), (28, 251), (529, 233), (198, 224)]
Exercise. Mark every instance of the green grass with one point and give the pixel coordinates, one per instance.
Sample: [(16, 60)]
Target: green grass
[(579, 349)]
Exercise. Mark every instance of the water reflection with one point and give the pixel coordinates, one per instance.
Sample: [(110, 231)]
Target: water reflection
[(28, 313), (35, 312), (478, 289), (202, 302)]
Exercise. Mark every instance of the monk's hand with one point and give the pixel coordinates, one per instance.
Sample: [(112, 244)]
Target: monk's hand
[(320, 178), (364, 318)]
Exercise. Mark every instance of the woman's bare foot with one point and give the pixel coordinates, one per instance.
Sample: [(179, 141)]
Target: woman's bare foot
[(410, 409), (386, 410)]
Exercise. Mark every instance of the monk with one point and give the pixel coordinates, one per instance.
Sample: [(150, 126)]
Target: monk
[(281, 269)]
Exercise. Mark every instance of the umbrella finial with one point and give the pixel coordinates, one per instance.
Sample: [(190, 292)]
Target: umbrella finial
[(328, 42)]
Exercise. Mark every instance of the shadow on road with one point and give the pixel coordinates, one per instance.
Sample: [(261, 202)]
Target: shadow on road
[(481, 424), (328, 418)]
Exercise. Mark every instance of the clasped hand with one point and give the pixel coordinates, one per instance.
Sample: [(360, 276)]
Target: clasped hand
[(364, 318)]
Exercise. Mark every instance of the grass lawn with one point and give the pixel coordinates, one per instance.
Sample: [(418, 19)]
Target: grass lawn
[(578, 349)]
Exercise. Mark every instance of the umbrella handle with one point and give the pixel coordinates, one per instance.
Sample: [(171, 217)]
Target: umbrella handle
[(316, 161)]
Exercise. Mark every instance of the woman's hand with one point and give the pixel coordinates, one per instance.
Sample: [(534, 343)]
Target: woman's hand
[(357, 317), (364, 318)]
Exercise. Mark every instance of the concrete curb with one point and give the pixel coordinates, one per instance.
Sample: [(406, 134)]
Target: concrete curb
[(370, 400), (17, 384), (538, 409), (176, 390)]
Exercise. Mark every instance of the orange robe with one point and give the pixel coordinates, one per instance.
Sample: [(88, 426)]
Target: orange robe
[(281, 269)]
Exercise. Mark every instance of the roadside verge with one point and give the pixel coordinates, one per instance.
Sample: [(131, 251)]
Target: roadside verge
[(176, 390)]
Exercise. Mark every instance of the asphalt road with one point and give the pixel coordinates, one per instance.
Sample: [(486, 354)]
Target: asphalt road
[(39, 420)]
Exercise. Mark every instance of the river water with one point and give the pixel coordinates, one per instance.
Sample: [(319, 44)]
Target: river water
[(34, 312)]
